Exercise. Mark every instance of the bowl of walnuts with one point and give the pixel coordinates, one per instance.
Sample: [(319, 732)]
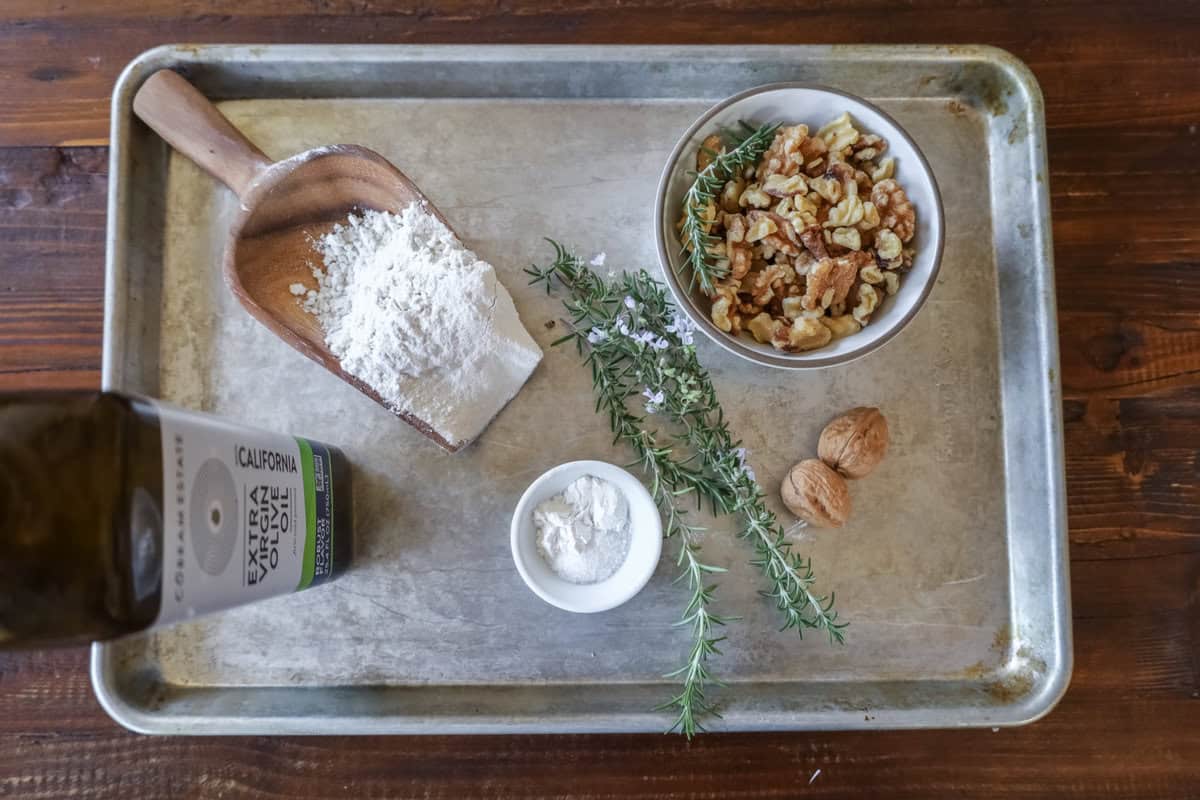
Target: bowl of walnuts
[(798, 226)]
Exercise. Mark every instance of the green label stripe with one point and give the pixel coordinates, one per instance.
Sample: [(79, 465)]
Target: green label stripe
[(317, 467), (310, 514), (329, 493)]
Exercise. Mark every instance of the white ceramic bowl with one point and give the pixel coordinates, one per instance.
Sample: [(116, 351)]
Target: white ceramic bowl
[(792, 103), (645, 544)]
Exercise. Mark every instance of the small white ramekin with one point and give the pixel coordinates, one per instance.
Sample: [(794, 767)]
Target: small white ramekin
[(645, 545)]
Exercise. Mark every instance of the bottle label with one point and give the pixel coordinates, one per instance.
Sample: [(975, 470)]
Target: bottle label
[(246, 514)]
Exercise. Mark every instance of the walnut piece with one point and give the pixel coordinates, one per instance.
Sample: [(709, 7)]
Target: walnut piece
[(785, 155), (731, 193), (870, 218), (828, 189), (848, 238), (846, 176), (891, 282), (763, 282), (887, 245), (839, 134), (754, 197), (868, 147), (805, 333), (871, 274), (846, 213), (804, 263), (868, 301), (895, 209), (855, 443), (832, 278), (762, 227), (704, 156), (806, 209), (816, 494), (762, 327), (813, 241), (720, 313), (840, 326), (735, 228), (780, 236), (740, 259), (780, 186), (885, 170), (813, 151)]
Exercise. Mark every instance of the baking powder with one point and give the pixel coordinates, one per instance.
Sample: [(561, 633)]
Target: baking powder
[(418, 317), (583, 534)]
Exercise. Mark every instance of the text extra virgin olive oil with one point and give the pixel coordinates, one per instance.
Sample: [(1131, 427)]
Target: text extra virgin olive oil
[(120, 513)]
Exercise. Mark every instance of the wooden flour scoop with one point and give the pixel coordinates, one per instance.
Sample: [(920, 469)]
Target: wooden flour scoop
[(285, 206)]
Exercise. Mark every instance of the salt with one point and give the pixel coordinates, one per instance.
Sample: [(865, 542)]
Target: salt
[(583, 534)]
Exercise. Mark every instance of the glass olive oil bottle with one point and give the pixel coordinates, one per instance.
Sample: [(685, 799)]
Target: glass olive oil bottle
[(118, 513)]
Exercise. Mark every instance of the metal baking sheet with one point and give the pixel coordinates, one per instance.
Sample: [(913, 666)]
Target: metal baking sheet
[(952, 572)]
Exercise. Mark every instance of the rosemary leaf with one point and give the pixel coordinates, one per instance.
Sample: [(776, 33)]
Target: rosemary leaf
[(694, 235)]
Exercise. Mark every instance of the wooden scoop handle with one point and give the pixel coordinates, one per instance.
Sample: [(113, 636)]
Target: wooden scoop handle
[(192, 125)]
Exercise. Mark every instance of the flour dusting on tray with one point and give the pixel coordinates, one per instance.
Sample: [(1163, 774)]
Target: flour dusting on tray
[(419, 318)]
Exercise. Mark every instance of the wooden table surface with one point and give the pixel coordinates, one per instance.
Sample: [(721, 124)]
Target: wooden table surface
[(1122, 88)]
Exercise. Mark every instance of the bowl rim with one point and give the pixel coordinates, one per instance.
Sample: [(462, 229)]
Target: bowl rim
[(734, 344), (606, 602)]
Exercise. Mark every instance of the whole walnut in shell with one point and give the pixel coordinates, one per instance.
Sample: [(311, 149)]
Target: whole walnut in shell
[(855, 442), (816, 494)]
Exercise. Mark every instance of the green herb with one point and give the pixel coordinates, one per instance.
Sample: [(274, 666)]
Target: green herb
[(638, 346), (596, 306), (697, 241)]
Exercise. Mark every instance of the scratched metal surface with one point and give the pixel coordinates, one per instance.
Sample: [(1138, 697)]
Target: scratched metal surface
[(950, 572)]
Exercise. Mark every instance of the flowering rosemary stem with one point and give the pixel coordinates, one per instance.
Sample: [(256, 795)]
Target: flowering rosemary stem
[(638, 346)]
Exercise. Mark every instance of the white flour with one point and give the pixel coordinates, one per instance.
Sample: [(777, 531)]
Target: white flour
[(583, 534), (410, 311)]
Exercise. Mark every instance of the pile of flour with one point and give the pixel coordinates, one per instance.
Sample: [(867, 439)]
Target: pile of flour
[(421, 319), (583, 534)]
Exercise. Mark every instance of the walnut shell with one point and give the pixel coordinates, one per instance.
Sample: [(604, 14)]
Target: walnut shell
[(855, 442), (816, 494)]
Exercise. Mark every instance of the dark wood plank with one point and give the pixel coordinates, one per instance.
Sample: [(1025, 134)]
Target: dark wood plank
[(1095, 744), (1118, 195), (52, 280), (62, 95), (1131, 476), (1126, 353)]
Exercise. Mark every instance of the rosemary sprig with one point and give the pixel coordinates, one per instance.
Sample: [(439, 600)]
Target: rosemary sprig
[(592, 300), (670, 481), (790, 575), (638, 345), (697, 241)]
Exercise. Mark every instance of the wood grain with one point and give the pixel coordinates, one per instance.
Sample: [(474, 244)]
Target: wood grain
[(1081, 50), (191, 124), (1123, 107), (52, 278), (1131, 476), (1104, 741)]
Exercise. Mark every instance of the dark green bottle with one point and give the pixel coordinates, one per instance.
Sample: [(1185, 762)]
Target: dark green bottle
[(121, 512)]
